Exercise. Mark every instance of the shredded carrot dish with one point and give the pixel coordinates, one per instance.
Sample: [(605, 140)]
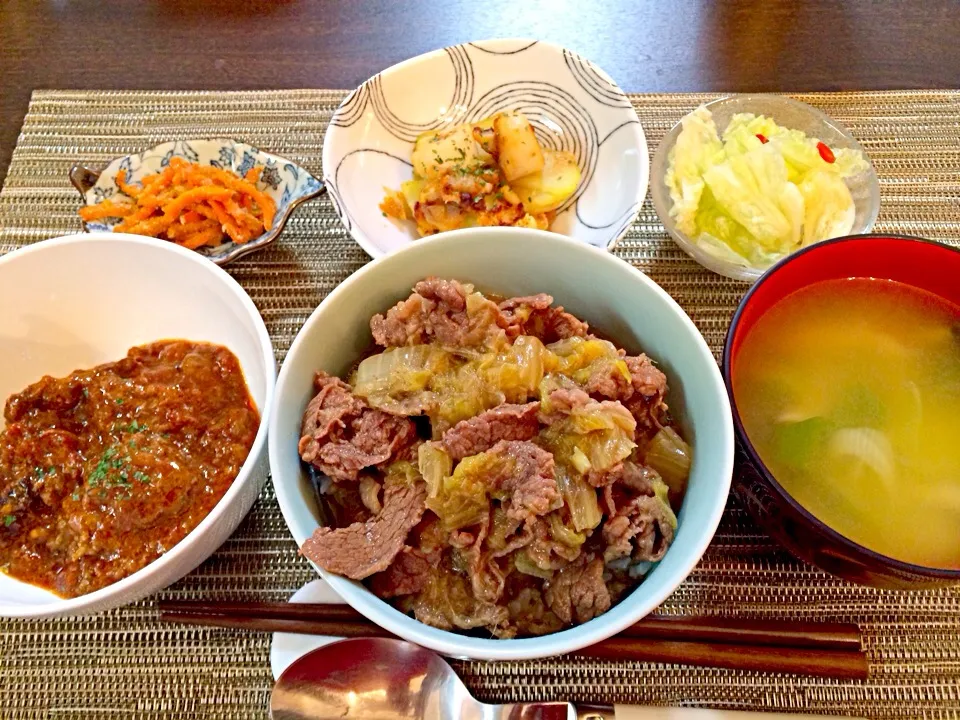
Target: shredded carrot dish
[(190, 204)]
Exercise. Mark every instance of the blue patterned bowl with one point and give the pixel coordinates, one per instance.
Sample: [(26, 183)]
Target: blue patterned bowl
[(288, 184), (571, 103)]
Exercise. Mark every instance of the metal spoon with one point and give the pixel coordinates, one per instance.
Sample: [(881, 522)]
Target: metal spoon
[(382, 679)]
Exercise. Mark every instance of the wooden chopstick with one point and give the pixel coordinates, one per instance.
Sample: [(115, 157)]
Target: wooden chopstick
[(845, 663), (823, 636)]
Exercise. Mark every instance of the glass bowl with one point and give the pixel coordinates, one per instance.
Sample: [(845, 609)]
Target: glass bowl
[(787, 112)]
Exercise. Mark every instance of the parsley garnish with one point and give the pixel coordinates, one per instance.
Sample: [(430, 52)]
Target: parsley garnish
[(113, 471), (136, 427), (119, 401), (8, 520), (99, 473)]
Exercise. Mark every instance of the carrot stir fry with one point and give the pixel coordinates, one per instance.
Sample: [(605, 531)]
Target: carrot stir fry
[(190, 204)]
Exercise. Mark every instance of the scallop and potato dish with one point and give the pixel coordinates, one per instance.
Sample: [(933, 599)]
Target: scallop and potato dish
[(491, 172)]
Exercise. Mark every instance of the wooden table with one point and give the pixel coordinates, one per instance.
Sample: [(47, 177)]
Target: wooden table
[(665, 45)]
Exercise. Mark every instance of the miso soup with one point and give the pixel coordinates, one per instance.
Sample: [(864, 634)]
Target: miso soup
[(850, 392)]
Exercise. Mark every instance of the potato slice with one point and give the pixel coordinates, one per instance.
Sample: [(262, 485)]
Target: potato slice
[(437, 152), (411, 192), (519, 152), (547, 190)]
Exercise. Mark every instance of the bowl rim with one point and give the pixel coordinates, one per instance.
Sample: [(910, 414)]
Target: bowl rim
[(851, 546), (82, 604), (748, 273), (604, 626), (643, 146)]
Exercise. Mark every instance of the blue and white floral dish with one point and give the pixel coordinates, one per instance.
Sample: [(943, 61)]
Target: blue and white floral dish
[(572, 104), (288, 184)]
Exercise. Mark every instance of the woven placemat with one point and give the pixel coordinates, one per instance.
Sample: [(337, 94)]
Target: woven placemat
[(125, 664)]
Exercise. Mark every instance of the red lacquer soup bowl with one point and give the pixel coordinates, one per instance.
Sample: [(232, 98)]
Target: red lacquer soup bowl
[(920, 263)]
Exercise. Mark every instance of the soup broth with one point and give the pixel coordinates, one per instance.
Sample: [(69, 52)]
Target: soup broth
[(850, 392)]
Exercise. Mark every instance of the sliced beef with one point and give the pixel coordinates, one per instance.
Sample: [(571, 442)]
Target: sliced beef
[(362, 549), (535, 315), (330, 410), (527, 476), (443, 311), (408, 574), (486, 576), (545, 552), (562, 402), (633, 476), (519, 535), (642, 530), (649, 388), (372, 440), (577, 592), (37, 469), (47, 395), (341, 435), (642, 394), (447, 602), (608, 381), (530, 614), (480, 433)]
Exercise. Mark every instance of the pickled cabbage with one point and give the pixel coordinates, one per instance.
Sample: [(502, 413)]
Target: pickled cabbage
[(761, 192)]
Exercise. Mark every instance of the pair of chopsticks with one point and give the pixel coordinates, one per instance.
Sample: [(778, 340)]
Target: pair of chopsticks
[(821, 649)]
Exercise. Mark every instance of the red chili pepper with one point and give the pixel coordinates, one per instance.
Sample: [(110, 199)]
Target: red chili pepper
[(826, 153), (762, 138)]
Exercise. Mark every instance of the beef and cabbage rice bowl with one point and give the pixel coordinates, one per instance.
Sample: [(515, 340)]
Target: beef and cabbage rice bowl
[(493, 465)]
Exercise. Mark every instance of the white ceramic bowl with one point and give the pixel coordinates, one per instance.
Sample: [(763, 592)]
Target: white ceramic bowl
[(789, 113), (572, 104), (77, 301), (593, 284)]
